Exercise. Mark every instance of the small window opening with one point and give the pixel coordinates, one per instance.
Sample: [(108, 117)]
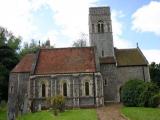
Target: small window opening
[(99, 28), (93, 30), (65, 89), (105, 82), (87, 88), (102, 53), (43, 90), (102, 28)]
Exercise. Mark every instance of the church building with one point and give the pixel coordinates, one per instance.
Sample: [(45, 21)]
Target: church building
[(85, 76)]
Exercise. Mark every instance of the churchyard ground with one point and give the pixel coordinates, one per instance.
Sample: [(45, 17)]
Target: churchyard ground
[(141, 113), (112, 112), (76, 114)]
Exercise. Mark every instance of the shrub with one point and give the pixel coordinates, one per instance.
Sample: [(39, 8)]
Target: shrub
[(155, 100), (131, 91), (150, 90), (58, 103), (3, 105), (139, 93)]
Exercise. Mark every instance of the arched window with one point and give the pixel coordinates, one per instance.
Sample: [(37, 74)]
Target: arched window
[(100, 27), (64, 89), (43, 90), (105, 82), (87, 88)]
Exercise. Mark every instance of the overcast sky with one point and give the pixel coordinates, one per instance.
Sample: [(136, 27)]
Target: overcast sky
[(62, 21)]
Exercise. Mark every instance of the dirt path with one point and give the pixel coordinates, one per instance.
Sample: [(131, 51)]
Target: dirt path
[(110, 112)]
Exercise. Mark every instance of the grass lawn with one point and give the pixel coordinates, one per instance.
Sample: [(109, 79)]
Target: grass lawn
[(139, 113), (3, 114), (77, 114)]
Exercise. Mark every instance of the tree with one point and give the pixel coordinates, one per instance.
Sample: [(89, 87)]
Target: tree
[(8, 59), (81, 42), (34, 46), (155, 73), (9, 47), (7, 38), (29, 48)]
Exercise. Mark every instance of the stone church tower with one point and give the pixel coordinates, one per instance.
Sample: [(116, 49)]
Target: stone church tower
[(100, 31)]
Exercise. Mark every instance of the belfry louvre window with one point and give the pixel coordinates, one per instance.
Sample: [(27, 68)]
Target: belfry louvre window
[(87, 88), (100, 27), (43, 90), (64, 89)]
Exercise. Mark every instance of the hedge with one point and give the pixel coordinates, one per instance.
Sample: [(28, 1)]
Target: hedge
[(136, 93)]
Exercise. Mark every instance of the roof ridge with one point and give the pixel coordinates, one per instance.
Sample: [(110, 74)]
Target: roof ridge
[(142, 54), (127, 49), (34, 64), (66, 48)]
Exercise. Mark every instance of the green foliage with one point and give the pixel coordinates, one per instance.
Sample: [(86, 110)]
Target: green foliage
[(131, 91), (58, 103), (139, 93), (155, 100), (8, 59), (29, 48), (9, 46), (3, 110), (146, 95), (155, 73), (33, 47), (3, 105), (140, 113), (8, 39)]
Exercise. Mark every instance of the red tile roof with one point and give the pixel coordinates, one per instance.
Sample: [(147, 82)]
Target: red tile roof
[(65, 60), (25, 65)]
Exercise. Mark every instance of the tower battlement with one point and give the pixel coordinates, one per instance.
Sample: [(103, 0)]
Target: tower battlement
[(99, 10)]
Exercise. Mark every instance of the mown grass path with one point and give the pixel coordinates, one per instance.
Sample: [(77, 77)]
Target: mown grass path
[(110, 112)]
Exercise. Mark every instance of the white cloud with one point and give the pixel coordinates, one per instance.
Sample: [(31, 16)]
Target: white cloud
[(152, 55), (71, 16), (122, 43), (117, 25), (146, 18), (16, 17)]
